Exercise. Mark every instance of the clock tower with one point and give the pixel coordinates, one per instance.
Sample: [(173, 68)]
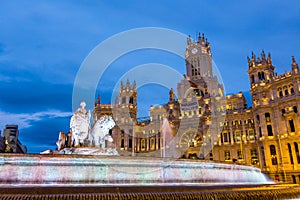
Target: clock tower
[(198, 58)]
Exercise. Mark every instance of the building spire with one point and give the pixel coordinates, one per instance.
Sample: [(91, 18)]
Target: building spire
[(294, 63)]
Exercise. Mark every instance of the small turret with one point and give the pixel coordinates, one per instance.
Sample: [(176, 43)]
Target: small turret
[(260, 69), (198, 57)]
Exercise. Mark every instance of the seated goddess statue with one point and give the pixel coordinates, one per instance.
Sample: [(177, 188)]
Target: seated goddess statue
[(80, 124)]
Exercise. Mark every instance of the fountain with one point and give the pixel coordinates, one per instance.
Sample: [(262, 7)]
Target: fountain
[(99, 171)]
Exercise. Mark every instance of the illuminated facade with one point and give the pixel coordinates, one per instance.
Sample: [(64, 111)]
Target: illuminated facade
[(275, 100), (208, 125)]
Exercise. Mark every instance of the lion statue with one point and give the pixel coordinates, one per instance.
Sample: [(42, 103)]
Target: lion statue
[(100, 131)]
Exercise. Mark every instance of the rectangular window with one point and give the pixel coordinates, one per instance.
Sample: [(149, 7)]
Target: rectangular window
[(227, 155), (260, 132), (159, 141), (225, 137), (237, 136), (240, 155), (254, 156), (251, 135), (152, 143), (122, 143), (273, 155), (270, 131), (130, 143), (292, 126), (221, 136)]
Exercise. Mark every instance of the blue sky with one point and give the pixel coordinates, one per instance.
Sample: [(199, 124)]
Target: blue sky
[(43, 43)]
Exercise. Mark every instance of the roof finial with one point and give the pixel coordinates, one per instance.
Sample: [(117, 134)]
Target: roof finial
[(263, 57), (98, 100), (269, 59), (253, 57), (189, 39), (134, 86), (199, 37), (249, 62)]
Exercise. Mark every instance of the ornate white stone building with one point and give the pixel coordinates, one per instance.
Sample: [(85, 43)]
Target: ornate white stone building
[(205, 124)]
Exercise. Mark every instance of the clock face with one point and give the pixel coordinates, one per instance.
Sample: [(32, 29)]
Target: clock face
[(194, 51)]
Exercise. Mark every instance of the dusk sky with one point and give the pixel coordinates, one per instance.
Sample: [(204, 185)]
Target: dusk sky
[(43, 43)]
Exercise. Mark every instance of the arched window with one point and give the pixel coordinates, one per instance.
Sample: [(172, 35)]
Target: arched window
[(294, 179), (280, 94), (292, 125), (262, 76), (252, 79), (131, 100), (297, 152), (226, 137), (268, 117), (290, 153), (273, 155), (286, 91), (270, 130), (295, 109), (291, 86)]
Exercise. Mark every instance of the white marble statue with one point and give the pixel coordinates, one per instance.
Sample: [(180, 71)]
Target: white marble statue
[(80, 124), (100, 131)]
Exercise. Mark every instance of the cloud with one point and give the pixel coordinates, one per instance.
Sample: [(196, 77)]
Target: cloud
[(25, 120)]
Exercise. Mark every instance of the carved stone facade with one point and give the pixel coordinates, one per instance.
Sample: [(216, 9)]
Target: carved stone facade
[(208, 125)]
